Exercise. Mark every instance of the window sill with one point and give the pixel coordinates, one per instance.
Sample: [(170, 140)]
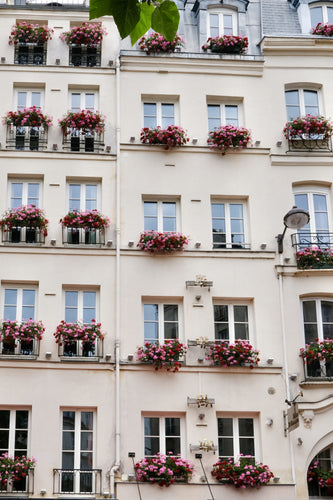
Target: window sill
[(21, 357), (78, 359)]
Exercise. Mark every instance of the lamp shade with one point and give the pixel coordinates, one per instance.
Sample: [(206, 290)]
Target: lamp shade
[(296, 218)]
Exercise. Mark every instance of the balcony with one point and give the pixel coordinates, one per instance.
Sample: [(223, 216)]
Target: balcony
[(313, 250), (26, 235), (85, 55), (319, 370), (79, 141), (30, 53), (26, 138), (80, 236), (25, 485), (81, 350), (77, 481), (306, 239), (310, 143)]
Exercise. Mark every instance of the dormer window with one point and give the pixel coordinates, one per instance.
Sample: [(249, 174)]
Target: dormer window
[(321, 14), (222, 22)]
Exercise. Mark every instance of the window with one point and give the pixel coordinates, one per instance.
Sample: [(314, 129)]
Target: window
[(24, 193), (316, 231), (236, 436), (325, 460), (301, 102), (80, 306), (318, 324), (162, 435), (77, 475), (82, 196), (28, 98), (231, 322), (158, 113), (14, 429), (161, 322), (160, 216), (19, 303), (222, 23), (222, 114), (83, 100), (228, 225), (321, 14)]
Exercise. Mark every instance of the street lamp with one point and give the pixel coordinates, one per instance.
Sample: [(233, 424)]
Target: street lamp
[(294, 219)]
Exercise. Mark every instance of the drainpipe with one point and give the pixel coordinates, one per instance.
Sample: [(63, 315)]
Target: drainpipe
[(286, 372), (116, 466)]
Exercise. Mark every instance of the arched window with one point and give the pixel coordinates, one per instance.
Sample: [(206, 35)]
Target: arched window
[(320, 474)]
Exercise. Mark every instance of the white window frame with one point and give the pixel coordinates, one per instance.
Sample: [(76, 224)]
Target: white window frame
[(228, 236), (301, 99), (83, 185), (13, 429), (222, 113), (19, 302), (162, 434), (236, 437), (159, 103), (29, 91), (221, 13), (319, 323), (160, 305), (310, 191), (80, 292), (25, 183), (160, 215), (83, 94), (77, 443), (231, 317), (323, 11)]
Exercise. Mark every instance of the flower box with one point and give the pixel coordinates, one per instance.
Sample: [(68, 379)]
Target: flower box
[(244, 474), (28, 117), (238, 354), (165, 355), (315, 258), (167, 242), (229, 137), (15, 471), (90, 34), (323, 29), (14, 334), (86, 227), (157, 44), (163, 470), (87, 121), (29, 217), (227, 44), (322, 477), (316, 128), (27, 33), (77, 337), (170, 137)]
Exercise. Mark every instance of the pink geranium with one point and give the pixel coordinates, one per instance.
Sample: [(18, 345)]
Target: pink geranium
[(167, 242), (24, 32), (229, 137), (156, 43), (227, 44), (85, 34)]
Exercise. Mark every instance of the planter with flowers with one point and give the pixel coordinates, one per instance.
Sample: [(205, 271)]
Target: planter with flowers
[(84, 129), (30, 42), (167, 242), (86, 227), (24, 224), (323, 29), (79, 339), (169, 137), (163, 469), (315, 258), (84, 44), (227, 44), (165, 355), (229, 137), (321, 478), (245, 473), (157, 44), (309, 132), (318, 358), (27, 128), (238, 354), (21, 337), (15, 472)]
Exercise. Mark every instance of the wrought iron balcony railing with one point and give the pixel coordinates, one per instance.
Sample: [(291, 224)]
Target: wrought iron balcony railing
[(309, 143), (23, 485), (80, 236), (29, 235), (30, 53), (26, 138), (77, 481), (318, 370), (304, 239), (85, 55), (20, 348), (78, 141), (82, 350)]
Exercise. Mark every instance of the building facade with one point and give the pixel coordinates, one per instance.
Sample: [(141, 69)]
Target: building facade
[(80, 408)]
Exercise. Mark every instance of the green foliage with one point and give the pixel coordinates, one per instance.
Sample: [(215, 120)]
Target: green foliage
[(135, 18)]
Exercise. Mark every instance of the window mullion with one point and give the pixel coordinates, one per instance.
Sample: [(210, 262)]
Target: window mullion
[(162, 435), (236, 438), (80, 305), (319, 319), (19, 303), (160, 216), (12, 428), (161, 323), (227, 225), (231, 325), (77, 440)]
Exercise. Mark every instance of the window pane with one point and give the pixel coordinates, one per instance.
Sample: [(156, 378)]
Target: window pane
[(227, 24), (240, 313), (89, 306), (214, 25), (231, 115), (71, 301), (152, 426), (292, 104), (86, 461), (68, 420), (241, 331), (149, 112), (4, 440), (68, 460), (172, 445), (28, 304), (152, 446), (91, 197), (214, 117), (224, 427), (311, 102), (246, 446), (245, 426), (16, 194), (309, 311), (237, 226), (86, 441), (74, 196), (87, 418), (68, 440), (151, 331), (4, 419), (236, 210), (221, 312), (168, 115), (226, 447), (321, 220), (35, 99), (316, 16), (76, 102), (320, 202), (21, 419), (311, 332), (172, 426), (90, 102), (170, 312), (330, 14), (33, 194), (21, 100), (218, 210), (221, 331)]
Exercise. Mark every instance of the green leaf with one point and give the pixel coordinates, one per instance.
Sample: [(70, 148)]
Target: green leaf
[(99, 8), (144, 24), (126, 15), (165, 19)]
